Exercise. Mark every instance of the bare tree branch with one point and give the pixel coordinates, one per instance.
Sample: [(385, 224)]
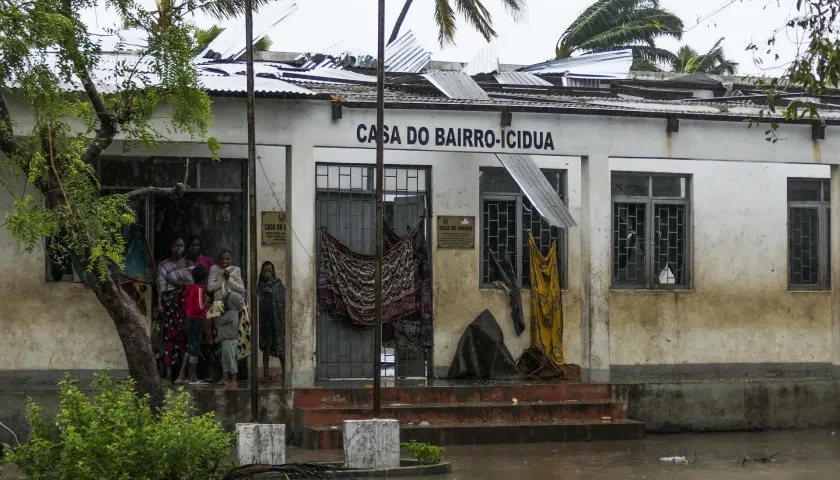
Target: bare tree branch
[(178, 189), (107, 120), (8, 144)]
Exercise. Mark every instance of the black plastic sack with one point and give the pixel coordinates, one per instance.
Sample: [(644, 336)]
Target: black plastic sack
[(482, 352)]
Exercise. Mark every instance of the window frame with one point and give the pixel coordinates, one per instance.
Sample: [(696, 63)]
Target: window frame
[(563, 237), (650, 203), (823, 208)]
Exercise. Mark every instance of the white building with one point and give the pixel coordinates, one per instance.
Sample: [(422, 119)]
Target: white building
[(700, 246)]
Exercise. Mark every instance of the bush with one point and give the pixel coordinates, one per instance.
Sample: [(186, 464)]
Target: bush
[(115, 435), (423, 452)]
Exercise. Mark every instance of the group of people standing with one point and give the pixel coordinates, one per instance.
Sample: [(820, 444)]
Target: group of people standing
[(204, 316)]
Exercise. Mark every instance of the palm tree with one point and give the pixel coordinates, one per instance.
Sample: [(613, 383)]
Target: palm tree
[(621, 24), (203, 38), (473, 11), (167, 10), (714, 62)]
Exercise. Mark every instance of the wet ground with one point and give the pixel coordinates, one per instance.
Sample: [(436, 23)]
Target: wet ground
[(799, 455), (788, 455)]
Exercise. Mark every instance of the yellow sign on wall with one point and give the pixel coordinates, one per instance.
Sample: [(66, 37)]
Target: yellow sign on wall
[(456, 232), (274, 229)]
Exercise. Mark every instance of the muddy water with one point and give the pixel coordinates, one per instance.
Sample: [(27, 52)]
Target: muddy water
[(809, 454)]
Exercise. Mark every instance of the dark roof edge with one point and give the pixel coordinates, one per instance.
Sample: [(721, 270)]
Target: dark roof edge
[(593, 111)]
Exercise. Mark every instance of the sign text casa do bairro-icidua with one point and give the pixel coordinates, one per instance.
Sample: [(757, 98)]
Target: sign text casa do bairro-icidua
[(510, 139)]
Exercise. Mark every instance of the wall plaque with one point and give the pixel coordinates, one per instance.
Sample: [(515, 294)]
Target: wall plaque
[(455, 232), (274, 229)]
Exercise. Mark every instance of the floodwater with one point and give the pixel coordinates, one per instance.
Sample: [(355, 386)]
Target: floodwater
[(799, 455)]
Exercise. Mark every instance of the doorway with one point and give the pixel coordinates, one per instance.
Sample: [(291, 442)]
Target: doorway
[(345, 205)]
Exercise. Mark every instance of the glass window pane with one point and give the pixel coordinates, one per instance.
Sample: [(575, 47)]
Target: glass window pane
[(804, 190), (144, 172), (803, 246), (669, 245), (224, 174), (498, 233), (826, 192), (497, 180), (629, 244), (667, 186), (630, 185)]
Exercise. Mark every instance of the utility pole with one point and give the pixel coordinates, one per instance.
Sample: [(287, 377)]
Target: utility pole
[(380, 172), (253, 274)]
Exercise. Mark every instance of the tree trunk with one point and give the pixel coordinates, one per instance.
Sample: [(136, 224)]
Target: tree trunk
[(396, 31), (135, 340)]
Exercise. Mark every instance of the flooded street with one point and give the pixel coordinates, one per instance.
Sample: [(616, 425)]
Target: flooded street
[(802, 454)]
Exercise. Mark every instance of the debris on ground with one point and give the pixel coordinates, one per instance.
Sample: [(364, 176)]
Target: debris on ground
[(767, 459)]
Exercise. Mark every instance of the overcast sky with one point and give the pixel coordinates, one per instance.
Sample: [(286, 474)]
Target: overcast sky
[(350, 25)]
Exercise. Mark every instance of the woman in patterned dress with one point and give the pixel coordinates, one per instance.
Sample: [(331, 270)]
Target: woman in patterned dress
[(171, 306)]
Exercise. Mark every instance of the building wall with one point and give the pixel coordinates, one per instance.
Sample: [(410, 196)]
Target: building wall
[(458, 300), (55, 326), (739, 309)]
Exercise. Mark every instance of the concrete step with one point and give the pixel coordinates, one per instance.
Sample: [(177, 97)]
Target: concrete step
[(526, 392), (472, 412), (331, 436)]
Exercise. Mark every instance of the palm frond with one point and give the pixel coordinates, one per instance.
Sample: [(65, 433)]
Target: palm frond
[(611, 23), (515, 8), (477, 15), (445, 20), (644, 65), (227, 9), (643, 30)]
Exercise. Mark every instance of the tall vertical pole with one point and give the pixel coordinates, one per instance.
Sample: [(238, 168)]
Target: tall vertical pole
[(380, 172), (253, 274)]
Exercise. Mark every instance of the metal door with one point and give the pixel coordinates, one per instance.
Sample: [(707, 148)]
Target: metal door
[(345, 206)]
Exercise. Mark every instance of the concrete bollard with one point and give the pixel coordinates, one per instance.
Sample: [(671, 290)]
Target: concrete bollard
[(372, 444), (260, 443)]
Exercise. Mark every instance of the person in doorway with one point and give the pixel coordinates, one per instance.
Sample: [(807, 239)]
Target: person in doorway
[(195, 253), (209, 350), (225, 278), (227, 335), (196, 304), (272, 320), (172, 278)]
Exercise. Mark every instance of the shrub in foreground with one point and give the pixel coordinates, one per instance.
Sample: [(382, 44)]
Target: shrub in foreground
[(115, 435)]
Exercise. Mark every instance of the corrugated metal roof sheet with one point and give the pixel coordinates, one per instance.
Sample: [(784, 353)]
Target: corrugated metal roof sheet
[(336, 74), (486, 61), (535, 186), (521, 78), (406, 55), (456, 85), (230, 44), (608, 65), (237, 84)]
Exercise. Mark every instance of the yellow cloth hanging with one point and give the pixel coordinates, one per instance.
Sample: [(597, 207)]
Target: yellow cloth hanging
[(546, 302)]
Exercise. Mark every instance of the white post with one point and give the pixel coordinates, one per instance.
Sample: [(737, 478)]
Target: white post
[(260, 443), (372, 444), (300, 266), (596, 268)]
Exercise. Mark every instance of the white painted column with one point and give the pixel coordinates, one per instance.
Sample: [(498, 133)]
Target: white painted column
[(300, 266), (596, 268), (834, 245)]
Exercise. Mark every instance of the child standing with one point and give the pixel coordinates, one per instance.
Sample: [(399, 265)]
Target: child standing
[(228, 335), (196, 304)]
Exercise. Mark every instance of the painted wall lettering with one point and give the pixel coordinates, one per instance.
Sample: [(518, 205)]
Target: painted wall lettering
[(458, 137)]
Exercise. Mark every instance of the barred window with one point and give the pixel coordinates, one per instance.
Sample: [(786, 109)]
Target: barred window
[(809, 262), (506, 218), (650, 231)]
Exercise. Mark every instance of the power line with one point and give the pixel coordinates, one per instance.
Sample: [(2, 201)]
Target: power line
[(280, 206)]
